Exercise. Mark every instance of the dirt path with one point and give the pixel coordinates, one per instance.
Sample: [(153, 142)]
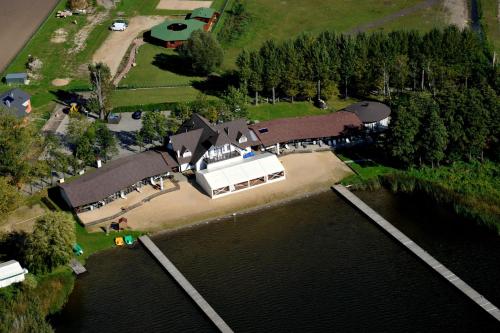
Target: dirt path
[(394, 16), (116, 45), (457, 12), (138, 42), (81, 36), (182, 4)]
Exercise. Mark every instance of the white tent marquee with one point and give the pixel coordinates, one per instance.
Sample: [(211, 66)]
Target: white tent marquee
[(251, 172)]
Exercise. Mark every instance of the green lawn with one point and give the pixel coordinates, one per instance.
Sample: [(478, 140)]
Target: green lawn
[(158, 66), (93, 242), (423, 20), (490, 14), (297, 109), (284, 19), (154, 95)]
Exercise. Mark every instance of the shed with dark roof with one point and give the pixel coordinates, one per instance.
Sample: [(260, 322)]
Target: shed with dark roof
[(116, 176)]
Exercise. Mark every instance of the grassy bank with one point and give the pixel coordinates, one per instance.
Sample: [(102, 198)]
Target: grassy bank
[(124, 97), (473, 190), (24, 306), (490, 22)]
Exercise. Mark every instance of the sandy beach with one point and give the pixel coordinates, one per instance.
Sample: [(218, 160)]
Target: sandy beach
[(306, 173)]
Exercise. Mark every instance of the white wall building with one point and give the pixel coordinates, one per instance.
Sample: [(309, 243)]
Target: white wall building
[(11, 272), (241, 175)]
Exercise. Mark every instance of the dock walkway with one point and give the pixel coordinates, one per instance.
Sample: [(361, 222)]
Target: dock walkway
[(419, 252), (184, 283), (77, 267)]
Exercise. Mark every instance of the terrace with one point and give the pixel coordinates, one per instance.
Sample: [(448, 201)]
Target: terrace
[(222, 157)]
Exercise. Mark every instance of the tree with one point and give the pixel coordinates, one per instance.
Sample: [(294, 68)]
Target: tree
[(85, 150), (102, 88), (291, 73), (10, 198), (183, 112), (50, 244), (154, 127), (235, 103), (244, 67), (434, 137), (105, 141), (203, 51), (18, 144), (255, 80), (347, 61), (272, 66)]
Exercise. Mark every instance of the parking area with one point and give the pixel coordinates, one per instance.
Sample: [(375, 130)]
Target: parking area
[(125, 132)]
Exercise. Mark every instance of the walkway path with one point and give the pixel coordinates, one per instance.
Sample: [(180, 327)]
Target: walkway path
[(419, 252), (138, 42), (394, 16), (184, 283)]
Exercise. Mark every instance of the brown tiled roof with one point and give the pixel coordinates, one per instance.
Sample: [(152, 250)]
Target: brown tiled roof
[(302, 128), (117, 175), (370, 112), (198, 135)]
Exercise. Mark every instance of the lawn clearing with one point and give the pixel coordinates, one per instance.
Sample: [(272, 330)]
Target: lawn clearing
[(124, 97), (158, 66), (296, 109), (93, 242), (282, 20), (423, 20), (490, 18)]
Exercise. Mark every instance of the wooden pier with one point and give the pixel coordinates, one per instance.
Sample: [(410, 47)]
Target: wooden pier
[(77, 267), (184, 283), (419, 252)]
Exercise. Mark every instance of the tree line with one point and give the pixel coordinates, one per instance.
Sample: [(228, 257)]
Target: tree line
[(442, 85), (365, 64)]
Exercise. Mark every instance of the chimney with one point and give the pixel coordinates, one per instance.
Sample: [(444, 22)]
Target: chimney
[(99, 163)]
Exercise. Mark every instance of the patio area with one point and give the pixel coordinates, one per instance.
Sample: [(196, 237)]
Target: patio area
[(121, 206)]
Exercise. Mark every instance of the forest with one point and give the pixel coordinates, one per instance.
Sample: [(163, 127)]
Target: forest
[(442, 86)]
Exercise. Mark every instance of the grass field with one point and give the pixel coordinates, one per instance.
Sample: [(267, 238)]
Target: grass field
[(296, 109), (154, 95), (284, 19), (422, 20), (93, 242), (490, 14), (158, 66)]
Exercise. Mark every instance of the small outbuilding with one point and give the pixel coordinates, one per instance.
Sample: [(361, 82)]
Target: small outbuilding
[(16, 78), (11, 272), (17, 101), (373, 115), (204, 14)]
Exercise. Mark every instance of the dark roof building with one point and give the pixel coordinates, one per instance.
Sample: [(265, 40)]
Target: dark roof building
[(202, 13), (116, 176), (370, 112), (197, 135), (16, 101), (304, 128)]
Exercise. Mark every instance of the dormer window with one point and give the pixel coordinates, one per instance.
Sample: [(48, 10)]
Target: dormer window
[(186, 153), (242, 139)]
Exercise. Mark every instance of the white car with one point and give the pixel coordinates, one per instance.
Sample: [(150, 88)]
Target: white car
[(118, 26)]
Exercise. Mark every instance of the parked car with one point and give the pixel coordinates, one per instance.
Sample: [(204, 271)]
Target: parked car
[(119, 25), (137, 114)]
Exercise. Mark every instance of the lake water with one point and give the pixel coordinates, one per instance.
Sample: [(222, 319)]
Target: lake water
[(314, 265)]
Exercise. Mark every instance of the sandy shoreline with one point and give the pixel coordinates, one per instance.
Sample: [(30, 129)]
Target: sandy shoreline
[(307, 174)]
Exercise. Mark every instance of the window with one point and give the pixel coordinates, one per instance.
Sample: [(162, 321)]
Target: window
[(242, 139), (186, 153), (263, 130)]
